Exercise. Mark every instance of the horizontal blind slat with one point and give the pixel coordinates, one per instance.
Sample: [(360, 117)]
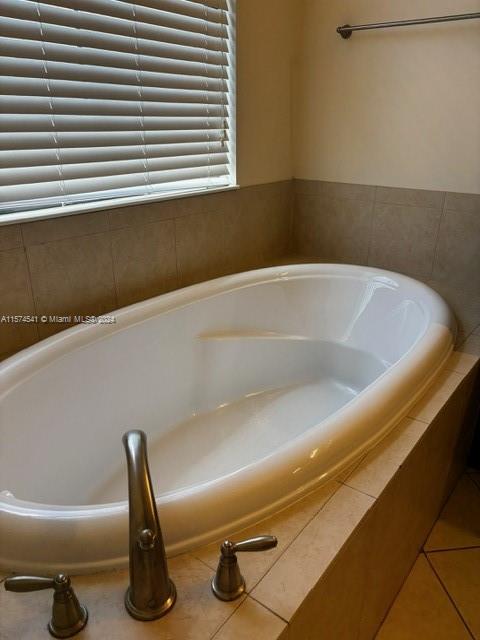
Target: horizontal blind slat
[(75, 155), (51, 140), (23, 86), (82, 106), (90, 73), (19, 193)]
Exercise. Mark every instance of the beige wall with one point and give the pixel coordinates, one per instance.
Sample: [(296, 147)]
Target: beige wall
[(264, 52), (396, 107)]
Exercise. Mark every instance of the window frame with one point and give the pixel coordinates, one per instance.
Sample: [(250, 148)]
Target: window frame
[(63, 210)]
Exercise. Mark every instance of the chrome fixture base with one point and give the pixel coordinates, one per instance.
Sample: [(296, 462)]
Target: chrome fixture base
[(68, 615), (151, 593), (156, 612), (228, 583)]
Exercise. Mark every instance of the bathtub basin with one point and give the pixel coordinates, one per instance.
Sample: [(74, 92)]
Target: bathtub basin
[(253, 389)]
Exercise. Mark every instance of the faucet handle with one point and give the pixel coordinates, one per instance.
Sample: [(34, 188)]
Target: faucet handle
[(68, 615), (228, 583)]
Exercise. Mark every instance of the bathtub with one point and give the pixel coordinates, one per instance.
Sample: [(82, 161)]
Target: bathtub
[(253, 390)]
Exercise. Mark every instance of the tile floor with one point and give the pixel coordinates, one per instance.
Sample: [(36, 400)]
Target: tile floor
[(440, 599)]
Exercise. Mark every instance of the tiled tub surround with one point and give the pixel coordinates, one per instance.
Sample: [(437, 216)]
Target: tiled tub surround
[(90, 264), (433, 236), (343, 551)]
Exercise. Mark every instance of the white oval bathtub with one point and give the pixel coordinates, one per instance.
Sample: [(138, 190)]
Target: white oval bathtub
[(253, 389)]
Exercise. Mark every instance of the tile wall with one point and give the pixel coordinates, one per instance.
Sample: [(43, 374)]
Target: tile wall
[(433, 236), (94, 263)]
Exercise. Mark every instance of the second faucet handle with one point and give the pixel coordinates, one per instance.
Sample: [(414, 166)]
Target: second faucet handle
[(68, 615), (228, 583)]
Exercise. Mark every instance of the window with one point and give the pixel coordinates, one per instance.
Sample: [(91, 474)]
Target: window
[(106, 99)]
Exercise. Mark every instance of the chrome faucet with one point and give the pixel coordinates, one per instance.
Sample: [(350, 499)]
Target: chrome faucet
[(151, 593)]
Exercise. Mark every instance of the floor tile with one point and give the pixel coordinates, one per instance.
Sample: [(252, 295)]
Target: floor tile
[(459, 572), (422, 610), (475, 476), (459, 522)]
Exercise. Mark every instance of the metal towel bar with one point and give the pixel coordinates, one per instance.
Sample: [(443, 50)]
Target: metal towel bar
[(346, 30)]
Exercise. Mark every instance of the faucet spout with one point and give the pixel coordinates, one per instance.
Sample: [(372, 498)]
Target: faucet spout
[(151, 593)]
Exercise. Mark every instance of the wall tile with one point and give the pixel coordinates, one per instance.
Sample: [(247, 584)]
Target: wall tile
[(74, 226), (200, 252), (334, 229), (10, 236), (155, 211), (15, 299), (468, 202), (464, 303), (72, 276), (404, 238), (341, 190), (144, 261), (458, 251), (410, 197)]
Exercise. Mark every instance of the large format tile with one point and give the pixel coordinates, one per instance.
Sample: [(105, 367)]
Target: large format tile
[(335, 229), (197, 614), (403, 238), (285, 525), (469, 202), (72, 276), (422, 610), (52, 229), (459, 523), (344, 190), (380, 465), (333, 608), (10, 236), (15, 299), (144, 261), (460, 573), (199, 246), (410, 197), (465, 303), (458, 250), (155, 211), (252, 620), (288, 582)]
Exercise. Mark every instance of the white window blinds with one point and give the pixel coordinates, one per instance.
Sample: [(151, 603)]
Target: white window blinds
[(102, 99)]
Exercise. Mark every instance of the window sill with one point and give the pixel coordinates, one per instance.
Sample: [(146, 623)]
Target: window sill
[(114, 203)]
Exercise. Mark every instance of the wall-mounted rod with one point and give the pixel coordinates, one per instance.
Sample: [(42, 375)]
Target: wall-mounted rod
[(346, 30)]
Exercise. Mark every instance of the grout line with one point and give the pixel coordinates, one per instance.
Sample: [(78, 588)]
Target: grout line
[(30, 286), (114, 275), (447, 549), (269, 609), (452, 601), (345, 484), (437, 235), (222, 624)]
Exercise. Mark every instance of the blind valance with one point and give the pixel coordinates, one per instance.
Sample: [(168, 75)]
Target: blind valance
[(107, 98)]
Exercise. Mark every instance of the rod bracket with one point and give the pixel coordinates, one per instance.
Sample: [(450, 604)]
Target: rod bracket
[(345, 31)]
